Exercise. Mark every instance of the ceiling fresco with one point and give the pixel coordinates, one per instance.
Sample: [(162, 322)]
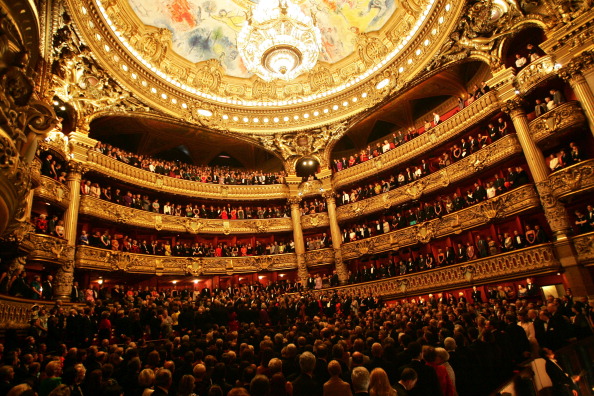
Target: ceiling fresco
[(207, 29)]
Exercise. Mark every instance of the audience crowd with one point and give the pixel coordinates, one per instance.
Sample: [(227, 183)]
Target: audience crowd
[(562, 159), (531, 54), (203, 174)]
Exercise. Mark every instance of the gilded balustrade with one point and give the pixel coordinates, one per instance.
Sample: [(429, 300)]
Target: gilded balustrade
[(141, 218), (530, 261), (36, 172), (17, 313), (566, 115), (90, 258), (584, 247), (500, 207), (142, 178), (319, 257), (57, 143), (534, 73), (450, 128), (53, 191), (49, 248), (486, 157), (573, 179), (315, 220)]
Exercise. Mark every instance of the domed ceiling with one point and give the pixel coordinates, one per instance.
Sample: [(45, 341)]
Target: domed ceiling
[(181, 57)]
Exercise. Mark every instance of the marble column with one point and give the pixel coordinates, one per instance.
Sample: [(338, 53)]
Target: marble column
[(298, 239), (65, 274), (341, 268)]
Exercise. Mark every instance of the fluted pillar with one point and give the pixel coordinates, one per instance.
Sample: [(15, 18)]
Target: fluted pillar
[(298, 239), (341, 269), (573, 73), (65, 274)]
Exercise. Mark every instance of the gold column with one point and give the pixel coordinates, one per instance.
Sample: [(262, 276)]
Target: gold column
[(341, 269), (572, 73), (298, 239), (65, 274)]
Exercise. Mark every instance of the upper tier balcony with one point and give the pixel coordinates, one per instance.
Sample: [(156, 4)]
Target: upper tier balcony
[(448, 129), (91, 258), (488, 156), (574, 179), (53, 192), (505, 205), (566, 115), (142, 178), (141, 218), (534, 73)]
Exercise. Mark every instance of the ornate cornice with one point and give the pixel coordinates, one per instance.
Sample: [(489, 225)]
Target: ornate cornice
[(505, 205), (450, 128), (96, 207), (108, 260), (566, 115), (164, 184), (53, 191), (488, 156)]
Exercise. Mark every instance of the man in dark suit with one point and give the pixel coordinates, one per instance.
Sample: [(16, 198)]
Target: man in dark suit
[(75, 294), (476, 295), (360, 381), (563, 383), (162, 382), (428, 383), (304, 384), (48, 288)]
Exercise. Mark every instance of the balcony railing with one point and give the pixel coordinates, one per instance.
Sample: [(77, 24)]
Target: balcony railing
[(502, 206), (566, 115), (142, 178), (319, 257), (450, 128), (584, 246), (56, 142), (530, 261), (535, 72), (53, 191), (36, 172), (573, 179), (141, 218), (91, 258), (484, 158), (315, 220), (49, 248)]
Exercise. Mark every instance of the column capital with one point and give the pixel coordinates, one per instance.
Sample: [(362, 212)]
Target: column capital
[(577, 66), (554, 210), (514, 107), (75, 167), (329, 194), (294, 200)]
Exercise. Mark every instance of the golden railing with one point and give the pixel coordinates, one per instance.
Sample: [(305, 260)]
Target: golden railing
[(526, 262), (315, 220), (36, 172), (584, 246), (142, 178), (319, 257), (488, 156), (573, 179), (566, 115), (57, 143), (535, 72), (16, 313), (49, 248), (53, 191), (141, 218), (91, 258), (450, 128), (502, 206)]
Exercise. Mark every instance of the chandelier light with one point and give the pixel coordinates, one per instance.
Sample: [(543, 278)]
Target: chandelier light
[(278, 41)]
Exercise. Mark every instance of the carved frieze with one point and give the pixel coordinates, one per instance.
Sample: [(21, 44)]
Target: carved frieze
[(319, 257), (53, 191), (584, 246), (49, 248), (575, 178), (315, 220), (566, 115)]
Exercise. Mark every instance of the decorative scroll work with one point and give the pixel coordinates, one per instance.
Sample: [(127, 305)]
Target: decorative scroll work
[(53, 191), (49, 248), (315, 220), (537, 71), (575, 178), (566, 115), (319, 257), (554, 210), (584, 246), (505, 205)]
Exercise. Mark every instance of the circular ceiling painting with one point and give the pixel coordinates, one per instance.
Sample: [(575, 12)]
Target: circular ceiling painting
[(207, 29)]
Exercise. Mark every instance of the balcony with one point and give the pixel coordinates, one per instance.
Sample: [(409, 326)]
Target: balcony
[(574, 179), (91, 258), (584, 246), (49, 248), (450, 128), (53, 192), (319, 257), (534, 73), (15, 313), (526, 262), (141, 218), (566, 115), (141, 178), (315, 220), (484, 158), (56, 142), (500, 207)]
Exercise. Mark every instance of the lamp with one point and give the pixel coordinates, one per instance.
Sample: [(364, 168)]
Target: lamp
[(278, 41)]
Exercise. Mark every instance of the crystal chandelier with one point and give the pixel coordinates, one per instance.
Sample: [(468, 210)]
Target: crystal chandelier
[(278, 41)]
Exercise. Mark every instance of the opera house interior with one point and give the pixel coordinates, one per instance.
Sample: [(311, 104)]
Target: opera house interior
[(304, 197)]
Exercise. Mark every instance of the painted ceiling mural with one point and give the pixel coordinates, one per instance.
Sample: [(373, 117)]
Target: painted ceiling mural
[(207, 29)]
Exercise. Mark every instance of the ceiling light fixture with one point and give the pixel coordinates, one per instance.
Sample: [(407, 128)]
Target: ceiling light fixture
[(278, 41)]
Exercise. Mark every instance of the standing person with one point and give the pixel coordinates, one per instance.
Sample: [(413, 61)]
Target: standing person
[(335, 386), (408, 380), (379, 384), (563, 383), (305, 384)]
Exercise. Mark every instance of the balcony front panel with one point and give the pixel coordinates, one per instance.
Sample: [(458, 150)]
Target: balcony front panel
[(534, 73), (57, 143), (142, 178), (566, 115), (90, 258), (584, 246), (16, 313), (500, 207), (141, 218), (36, 172), (319, 257), (49, 248), (573, 179), (484, 158), (53, 192), (315, 220), (526, 262), (450, 128)]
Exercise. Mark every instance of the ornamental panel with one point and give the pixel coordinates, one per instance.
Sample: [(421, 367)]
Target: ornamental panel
[(584, 246), (573, 179), (49, 248), (566, 115), (319, 257), (315, 220), (53, 191), (534, 73)]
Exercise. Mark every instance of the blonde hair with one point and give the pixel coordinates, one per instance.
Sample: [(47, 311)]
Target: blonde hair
[(146, 378), (379, 384)]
